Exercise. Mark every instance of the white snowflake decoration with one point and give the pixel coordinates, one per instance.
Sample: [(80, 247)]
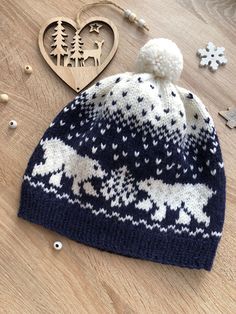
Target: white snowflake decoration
[(212, 56)]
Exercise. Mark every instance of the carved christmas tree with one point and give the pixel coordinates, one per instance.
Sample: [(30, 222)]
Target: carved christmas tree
[(77, 50), (59, 42), (77, 56), (230, 116)]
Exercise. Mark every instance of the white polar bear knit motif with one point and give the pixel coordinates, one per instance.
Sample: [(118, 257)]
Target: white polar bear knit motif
[(120, 188), (193, 197), (62, 159)]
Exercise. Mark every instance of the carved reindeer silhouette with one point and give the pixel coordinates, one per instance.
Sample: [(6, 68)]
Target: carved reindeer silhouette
[(93, 53)]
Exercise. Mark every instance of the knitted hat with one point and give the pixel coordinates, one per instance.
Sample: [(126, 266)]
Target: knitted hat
[(133, 166)]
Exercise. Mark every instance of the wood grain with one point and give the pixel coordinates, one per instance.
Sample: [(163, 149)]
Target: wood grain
[(33, 277)]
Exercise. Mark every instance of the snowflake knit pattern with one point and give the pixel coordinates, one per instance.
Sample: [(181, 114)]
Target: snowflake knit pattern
[(133, 166)]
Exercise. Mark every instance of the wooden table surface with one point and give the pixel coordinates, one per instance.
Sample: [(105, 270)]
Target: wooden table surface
[(33, 277)]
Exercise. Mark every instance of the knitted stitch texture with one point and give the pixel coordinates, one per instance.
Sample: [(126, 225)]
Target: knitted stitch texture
[(132, 166)]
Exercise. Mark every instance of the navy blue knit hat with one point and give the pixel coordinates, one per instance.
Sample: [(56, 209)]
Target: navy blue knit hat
[(133, 166)]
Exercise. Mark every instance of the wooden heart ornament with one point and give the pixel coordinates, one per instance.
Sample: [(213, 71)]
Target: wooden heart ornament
[(78, 56)]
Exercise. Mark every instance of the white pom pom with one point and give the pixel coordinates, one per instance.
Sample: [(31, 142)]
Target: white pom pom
[(162, 58)]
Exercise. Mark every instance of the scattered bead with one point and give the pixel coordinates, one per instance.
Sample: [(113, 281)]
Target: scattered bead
[(28, 69), (12, 124), (4, 98), (57, 245), (141, 23)]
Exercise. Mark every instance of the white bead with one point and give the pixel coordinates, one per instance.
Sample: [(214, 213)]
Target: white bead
[(132, 17), (4, 98), (127, 13), (28, 69), (57, 245), (12, 124), (141, 23)]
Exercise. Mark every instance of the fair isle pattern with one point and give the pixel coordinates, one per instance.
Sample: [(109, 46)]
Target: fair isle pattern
[(119, 187), (136, 157), (118, 216)]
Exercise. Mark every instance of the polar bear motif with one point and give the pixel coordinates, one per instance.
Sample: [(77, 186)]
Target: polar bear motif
[(63, 159), (189, 199)]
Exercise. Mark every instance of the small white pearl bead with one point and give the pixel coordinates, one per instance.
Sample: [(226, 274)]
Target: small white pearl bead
[(141, 23), (127, 13), (4, 98), (28, 69), (12, 124), (132, 17), (57, 245)]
